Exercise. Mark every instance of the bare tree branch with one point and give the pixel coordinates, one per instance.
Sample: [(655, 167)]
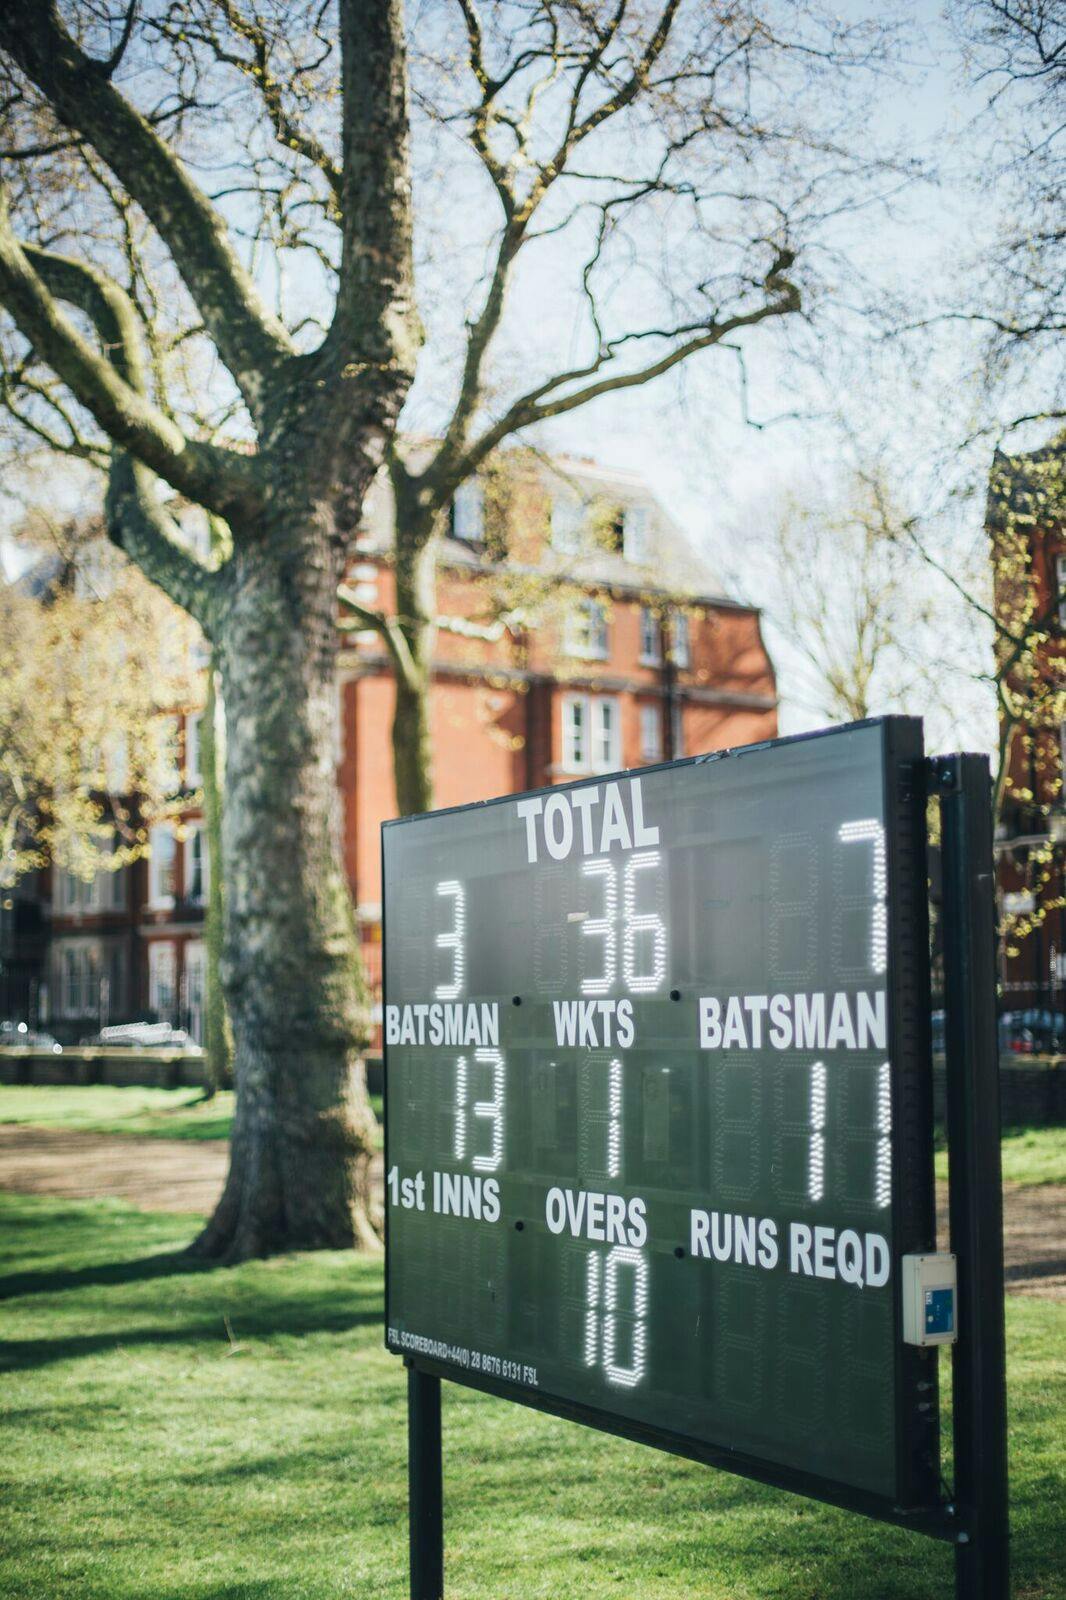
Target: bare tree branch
[(375, 321), (251, 342), (387, 627), (537, 405), (139, 526), (110, 388)]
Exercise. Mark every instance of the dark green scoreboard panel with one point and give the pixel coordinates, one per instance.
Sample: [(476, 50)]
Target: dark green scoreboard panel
[(657, 1105)]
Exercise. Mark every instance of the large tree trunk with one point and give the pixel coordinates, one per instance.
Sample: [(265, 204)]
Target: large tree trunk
[(303, 1131), (218, 1036), (416, 598)]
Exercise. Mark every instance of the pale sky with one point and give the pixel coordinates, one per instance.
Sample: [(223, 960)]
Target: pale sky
[(686, 434)]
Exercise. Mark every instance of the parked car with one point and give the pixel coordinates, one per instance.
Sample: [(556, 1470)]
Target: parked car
[(20, 1033), (143, 1036), (1033, 1032)]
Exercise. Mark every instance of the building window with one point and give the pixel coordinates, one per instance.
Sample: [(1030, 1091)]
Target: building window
[(1060, 586), (113, 888), (468, 513), (651, 733), (162, 860), (680, 642), (193, 989), (677, 724), (591, 733), (586, 631), (78, 978), (575, 734), (105, 891), (196, 865), (161, 979), (568, 524), (650, 637), (635, 542), (193, 775)]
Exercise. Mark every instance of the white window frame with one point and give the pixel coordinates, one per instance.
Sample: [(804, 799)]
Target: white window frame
[(1060, 586), (162, 955), (158, 899), (468, 513), (575, 733), (193, 838), (106, 891), (651, 731), (194, 983), (635, 530), (681, 640), (592, 733), (193, 773), (651, 653), (587, 631), (605, 725), (568, 517), (78, 959), (116, 899)]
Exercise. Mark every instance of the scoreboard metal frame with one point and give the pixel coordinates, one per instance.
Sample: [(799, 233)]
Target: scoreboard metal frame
[(971, 1517)]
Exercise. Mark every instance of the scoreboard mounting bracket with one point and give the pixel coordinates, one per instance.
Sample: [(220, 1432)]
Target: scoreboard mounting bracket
[(659, 1132)]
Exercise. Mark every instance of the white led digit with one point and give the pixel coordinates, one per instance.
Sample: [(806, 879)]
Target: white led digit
[(453, 940), (614, 1119), (460, 1108), (871, 831), (592, 1308), (626, 1377), (602, 927), (816, 1147), (491, 1110), (883, 1167), (644, 922), (623, 1256)]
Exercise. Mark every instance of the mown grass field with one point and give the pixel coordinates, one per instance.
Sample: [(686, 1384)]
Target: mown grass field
[(240, 1435), (1030, 1155), (104, 1108)]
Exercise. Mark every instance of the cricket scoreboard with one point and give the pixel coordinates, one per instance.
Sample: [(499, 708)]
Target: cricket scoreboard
[(658, 1122)]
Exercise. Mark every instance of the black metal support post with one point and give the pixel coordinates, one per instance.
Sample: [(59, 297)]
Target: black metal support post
[(979, 1361), (424, 1486)]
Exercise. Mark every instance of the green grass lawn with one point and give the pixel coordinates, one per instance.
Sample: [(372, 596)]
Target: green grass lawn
[(1030, 1156), (240, 1435), (101, 1108)]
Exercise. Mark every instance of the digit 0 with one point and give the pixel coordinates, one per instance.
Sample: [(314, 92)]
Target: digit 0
[(603, 1318)]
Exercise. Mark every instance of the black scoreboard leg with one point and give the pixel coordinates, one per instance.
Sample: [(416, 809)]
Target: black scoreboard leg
[(979, 1362), (424, 1486)]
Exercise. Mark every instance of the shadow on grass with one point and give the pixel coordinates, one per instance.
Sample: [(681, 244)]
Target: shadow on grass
[(107, 1273), (258, 1319)]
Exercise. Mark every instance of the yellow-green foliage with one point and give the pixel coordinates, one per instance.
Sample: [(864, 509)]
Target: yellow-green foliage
[(86, 672)]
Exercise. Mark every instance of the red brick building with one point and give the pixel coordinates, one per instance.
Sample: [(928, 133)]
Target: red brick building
[(578, 633), (1027, 529)]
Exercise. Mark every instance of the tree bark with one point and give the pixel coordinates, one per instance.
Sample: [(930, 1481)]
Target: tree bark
[(218, 1035), (303, 1130), (416, 598)]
